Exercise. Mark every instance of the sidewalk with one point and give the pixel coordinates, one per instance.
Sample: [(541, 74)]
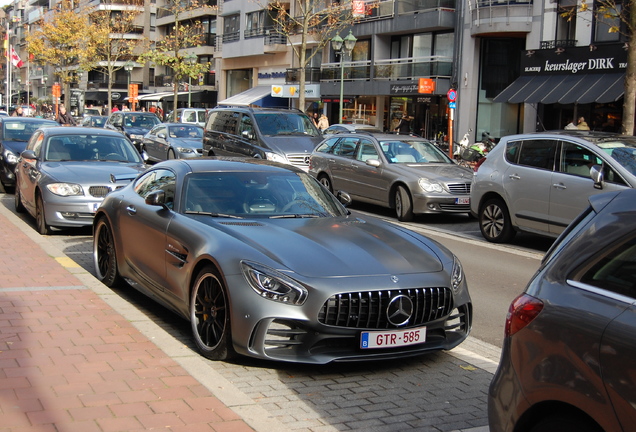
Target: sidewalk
[(70, 362)]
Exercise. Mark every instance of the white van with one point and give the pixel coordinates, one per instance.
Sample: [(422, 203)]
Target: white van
[(188, 115)]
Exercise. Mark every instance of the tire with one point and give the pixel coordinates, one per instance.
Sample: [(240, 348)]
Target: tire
[(104, 255), (19, 207), (326, 182), (403, 205), (494, 222), (566, 422), (40, 217), (171, 155), (210, 315)]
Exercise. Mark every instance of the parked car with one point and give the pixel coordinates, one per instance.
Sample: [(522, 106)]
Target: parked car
[(98, 121), (188, 115), (14, 134), (133, 124), (173, 141), (92, 112), (568, 359), (266, 263), (408, 174), (540, 182), (65, 173), (349, 128), (280, 135)]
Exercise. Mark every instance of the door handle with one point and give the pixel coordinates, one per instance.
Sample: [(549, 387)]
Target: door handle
[(514, 176), (559, 186), (131, 210)]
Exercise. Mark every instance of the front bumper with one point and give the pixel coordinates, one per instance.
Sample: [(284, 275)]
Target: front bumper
[(441, 203)]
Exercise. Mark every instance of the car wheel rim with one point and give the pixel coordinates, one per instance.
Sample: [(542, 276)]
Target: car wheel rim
[(210, 311), (104, 250), (493, 221), (325, 182), (39, 216), (398, 203)]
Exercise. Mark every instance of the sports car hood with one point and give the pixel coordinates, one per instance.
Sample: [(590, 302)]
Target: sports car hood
[(88, 172), (331, 247), (441, 172)]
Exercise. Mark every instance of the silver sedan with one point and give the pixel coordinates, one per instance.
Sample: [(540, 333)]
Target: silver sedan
[(265, 262), (408, 174), (173, 141)]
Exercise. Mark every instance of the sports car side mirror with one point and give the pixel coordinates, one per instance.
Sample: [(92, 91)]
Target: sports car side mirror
[(156, 198)]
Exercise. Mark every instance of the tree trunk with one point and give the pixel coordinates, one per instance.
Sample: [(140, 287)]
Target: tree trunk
[(629, 99)]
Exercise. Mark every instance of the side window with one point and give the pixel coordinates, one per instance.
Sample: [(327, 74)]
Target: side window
[(366, 150), (245, 125), (614, 270), (159, 179), (326, 146), (538, 153), (577, 160), (222, 121), (35, 143), (512, 151), (346, 147)]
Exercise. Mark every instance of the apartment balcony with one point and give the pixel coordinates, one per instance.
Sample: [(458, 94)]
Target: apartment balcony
[(565, 43), (203, 8), (312, 75), (412, 6), (411, 68), (350, 71), (489, 17), (115, 85)]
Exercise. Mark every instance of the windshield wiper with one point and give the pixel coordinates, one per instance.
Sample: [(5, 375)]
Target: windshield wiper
[(222, 215), (292, 216)]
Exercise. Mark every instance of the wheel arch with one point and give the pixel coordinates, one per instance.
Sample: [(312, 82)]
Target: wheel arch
[(545, 409), (488, 196), (196, 268), (393, 190)]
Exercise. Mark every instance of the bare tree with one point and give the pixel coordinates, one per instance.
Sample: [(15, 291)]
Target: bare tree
[(170, 51), (309, 23)]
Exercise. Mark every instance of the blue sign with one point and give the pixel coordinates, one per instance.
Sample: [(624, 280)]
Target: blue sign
[(452, 105)]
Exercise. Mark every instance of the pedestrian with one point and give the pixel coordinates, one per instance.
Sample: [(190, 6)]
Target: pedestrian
[(582, 124), (64, 118), (323, 123), (315, 118), (404, 126), (115, 109), (18, 112)]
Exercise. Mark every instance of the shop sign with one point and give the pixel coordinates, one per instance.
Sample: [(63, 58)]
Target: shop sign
[(426, 85), (336, 100), (424, 100), (575, 60), (292, 91), (400, 89)]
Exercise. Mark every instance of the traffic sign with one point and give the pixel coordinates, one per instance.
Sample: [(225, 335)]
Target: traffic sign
[(452, 105), (452, 95)]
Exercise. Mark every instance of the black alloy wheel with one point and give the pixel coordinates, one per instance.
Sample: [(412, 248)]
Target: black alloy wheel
[(104, 255), (40, 217)]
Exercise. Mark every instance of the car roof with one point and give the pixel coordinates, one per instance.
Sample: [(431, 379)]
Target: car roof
[(257, 109), (237, 164), (380, 136), (78, 130), (592, 136), (180, 124), (27, 119)]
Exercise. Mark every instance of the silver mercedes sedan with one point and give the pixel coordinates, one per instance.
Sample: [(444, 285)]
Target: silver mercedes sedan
[(401, 172), (266, 262)]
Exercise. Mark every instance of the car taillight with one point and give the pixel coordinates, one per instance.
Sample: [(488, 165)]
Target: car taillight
[(478, 164), (523, 310)]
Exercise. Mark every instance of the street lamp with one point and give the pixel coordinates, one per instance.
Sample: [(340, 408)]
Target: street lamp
[(190, 60), (342, 46), (44, 78), (128, 67)]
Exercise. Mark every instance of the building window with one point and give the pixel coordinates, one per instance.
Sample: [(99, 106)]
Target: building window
[(255, 24), (607, 26), (231, 28)]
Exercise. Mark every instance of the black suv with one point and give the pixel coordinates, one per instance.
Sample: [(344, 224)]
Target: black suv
[(281, 135)]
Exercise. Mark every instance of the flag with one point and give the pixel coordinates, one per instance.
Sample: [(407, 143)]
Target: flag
[(15, 59)]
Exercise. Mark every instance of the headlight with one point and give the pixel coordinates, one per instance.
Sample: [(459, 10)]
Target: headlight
[(273, 285), (185, 150), (136, 137), (276, 157), (430, 185), (457, 275), (65, 189), (10, 157)]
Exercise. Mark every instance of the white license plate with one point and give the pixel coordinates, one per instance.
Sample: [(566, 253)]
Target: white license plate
[(92, 207), (392, 338), (462, 200)]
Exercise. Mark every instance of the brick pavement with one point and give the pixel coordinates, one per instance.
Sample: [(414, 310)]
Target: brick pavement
[(78, 358), (69, 362)]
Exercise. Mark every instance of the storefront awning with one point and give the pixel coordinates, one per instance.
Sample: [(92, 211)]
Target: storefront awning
[(564, 89), (249, 96)]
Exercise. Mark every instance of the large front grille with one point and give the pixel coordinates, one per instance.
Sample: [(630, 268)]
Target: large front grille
[(368, 310), (298, 159), (459, 188)]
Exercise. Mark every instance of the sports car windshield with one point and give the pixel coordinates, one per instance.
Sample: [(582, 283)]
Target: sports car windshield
[(90, 147), (404, 151), (259, 194)]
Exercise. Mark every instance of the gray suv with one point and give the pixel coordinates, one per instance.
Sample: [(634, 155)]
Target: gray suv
[(540, 182), (280, 135)]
